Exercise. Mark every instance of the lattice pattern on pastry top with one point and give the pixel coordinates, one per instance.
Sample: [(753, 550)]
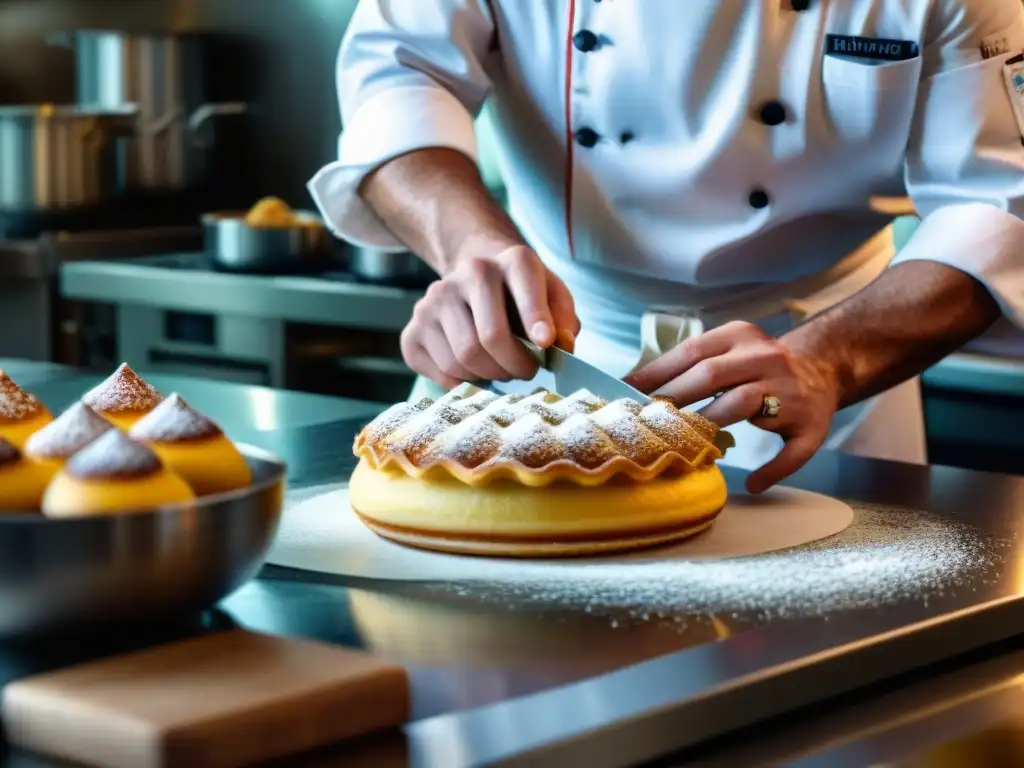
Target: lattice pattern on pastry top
[(476, 436)]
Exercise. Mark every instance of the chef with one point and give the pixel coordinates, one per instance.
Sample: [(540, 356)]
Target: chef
[(690, 189)]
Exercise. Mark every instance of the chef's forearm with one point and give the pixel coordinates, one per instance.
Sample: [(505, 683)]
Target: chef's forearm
[(435, 202), (915, 314)]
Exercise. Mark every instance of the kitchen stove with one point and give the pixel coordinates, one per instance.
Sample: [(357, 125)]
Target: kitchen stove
[(37, 323), (322, 330), (328, 269)]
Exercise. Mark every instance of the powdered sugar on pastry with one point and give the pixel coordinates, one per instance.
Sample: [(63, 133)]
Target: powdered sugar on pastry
[(174, 421), (15, 403), (74, 429), (114, 455), (476, 436), (123, 391)]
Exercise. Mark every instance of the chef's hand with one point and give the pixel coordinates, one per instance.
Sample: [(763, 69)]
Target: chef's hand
[(460, 329), (745, 365)]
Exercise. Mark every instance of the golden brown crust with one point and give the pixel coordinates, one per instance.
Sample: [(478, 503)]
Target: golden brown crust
[(527, 548), (477, 436)]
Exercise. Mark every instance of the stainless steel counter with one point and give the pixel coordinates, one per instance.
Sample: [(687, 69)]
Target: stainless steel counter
[(331, 302), (177, 315), (526, 683), (964, 713), (290, 299)]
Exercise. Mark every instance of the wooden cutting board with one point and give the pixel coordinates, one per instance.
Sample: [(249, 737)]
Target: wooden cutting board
[(231, 699)]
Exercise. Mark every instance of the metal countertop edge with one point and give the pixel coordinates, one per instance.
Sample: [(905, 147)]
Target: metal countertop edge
[(89, 280), (652, 709), (979, 373), (289, 299)]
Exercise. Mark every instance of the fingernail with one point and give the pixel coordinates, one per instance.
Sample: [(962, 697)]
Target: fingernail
[(541, 332), (565, 340)]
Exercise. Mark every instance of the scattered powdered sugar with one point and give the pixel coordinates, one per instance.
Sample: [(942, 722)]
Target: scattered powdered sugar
[(69, 433), (122, 391), (9, 454), (174, 420), (113, 455), (15, 403), (885, 556)]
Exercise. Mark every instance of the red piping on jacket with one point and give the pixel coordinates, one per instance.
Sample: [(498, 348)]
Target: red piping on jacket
[(568, 125)]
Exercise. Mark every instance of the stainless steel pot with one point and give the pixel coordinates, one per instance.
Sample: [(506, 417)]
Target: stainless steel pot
[(55, 158), (401, 268), (233, 245), (163, 75)]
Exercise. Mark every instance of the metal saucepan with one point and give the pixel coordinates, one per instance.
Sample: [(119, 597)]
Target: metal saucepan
[(232, 244), (163, 74), (55, 158), (399, 268), (60, 575)]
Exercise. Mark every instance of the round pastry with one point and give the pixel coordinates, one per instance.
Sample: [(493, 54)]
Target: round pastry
[(113, 474), (65, 436), (538, 476), (123, 398), (21, 413), (22, 481), (194, 447)]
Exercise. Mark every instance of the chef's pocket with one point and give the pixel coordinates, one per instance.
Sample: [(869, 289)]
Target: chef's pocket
[(866, 101)]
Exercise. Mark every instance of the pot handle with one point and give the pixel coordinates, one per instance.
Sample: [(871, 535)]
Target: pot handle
[(207, 112), (98, 132), (161, 124), (95, 135)]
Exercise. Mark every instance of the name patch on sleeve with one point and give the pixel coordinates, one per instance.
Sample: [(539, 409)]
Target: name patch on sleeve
[(879, 48)]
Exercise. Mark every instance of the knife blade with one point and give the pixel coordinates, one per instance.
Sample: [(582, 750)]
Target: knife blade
[(572, 373)]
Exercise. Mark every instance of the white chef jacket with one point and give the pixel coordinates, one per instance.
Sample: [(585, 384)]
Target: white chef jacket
[(675, 153)]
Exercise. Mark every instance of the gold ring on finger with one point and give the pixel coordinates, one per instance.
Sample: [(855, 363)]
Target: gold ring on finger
[(770, 407)]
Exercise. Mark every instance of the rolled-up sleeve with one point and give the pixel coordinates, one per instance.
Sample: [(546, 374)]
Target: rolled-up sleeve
[(965, 160), (410, 76)]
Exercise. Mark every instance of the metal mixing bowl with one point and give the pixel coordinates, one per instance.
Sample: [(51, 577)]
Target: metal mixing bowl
[(83, 573), (400, 268), (232, 245)]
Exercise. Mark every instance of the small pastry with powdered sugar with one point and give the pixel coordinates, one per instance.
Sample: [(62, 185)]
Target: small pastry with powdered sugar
[(22, 481), (193, 446), (21, 413), (112, 475), (66, 435), (123, 398)]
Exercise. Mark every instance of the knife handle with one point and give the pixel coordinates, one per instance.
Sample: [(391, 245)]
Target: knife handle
[(515, 322)]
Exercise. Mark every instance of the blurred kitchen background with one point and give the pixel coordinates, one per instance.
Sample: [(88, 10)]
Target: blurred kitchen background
[(164, 110)]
